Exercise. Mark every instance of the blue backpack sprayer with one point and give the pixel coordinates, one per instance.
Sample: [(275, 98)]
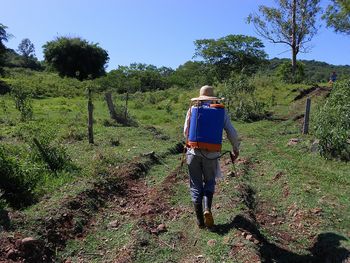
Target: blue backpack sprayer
[(205, 126), (206, 123)]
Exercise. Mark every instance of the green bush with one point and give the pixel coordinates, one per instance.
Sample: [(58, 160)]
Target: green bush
[(249, 110), (23, 101), (75, 57), (44, 84), (333, 123), (284, 72), (239, 93), (16, 183), (54, 156)]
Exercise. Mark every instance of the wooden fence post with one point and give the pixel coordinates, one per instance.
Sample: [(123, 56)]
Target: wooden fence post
[(307, 116), (110, 104), (126, 106), (90, 118), (114, 115)]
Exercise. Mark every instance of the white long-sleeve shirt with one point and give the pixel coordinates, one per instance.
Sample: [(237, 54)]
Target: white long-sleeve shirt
[(231, 133)]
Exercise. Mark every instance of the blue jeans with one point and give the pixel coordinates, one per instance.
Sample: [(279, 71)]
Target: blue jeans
[(202, 176)]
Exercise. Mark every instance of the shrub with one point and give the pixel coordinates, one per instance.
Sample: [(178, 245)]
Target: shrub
[(249, 110), (74, 133), (333, 123), (15, 183), (44, 84), (75, 57), (54, 156), (241, 101), (284, 72), (23, 102)]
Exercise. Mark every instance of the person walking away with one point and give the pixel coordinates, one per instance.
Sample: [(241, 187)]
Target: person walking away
[(204, 124), (333, 78)]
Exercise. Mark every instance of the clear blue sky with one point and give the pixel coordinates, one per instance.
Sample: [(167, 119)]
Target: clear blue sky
[(159, 32)]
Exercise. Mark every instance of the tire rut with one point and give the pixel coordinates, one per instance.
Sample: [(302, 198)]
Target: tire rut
[(73, 217)]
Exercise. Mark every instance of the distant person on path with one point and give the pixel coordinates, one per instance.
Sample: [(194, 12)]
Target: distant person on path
[(204, 124), (333, 77)]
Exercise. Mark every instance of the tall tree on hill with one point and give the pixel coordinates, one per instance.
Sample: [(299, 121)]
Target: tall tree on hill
[(337, 16), (292, 23), (26, 48), (75, 57), (231, 53)]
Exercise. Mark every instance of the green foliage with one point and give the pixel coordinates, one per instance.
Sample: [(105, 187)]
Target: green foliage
[(23, 102), (75, 57), (12, 59), (136, 77), (44, 84), (193, 74), (54, 156), (16, 184), (25, 59), (292, 23), (26, 48), (337, 16), (315, 71), (241, 101), (285, 72), (333, 123), (4, 36), (231, 53)]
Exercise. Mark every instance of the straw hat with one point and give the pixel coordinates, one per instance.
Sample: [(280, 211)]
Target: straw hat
[(206, 93)]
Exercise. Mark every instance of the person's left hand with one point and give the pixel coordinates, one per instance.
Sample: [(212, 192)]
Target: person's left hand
[(234, 155)]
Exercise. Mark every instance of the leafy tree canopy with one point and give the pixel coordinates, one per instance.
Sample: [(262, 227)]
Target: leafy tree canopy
[(136, 77), (337, 16), (26, 48), (12, 59), (231, 53), (75, 57), (292, 22), (4, 36), (193, 74)]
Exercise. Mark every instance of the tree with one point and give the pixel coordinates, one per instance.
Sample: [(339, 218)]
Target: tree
[(231, 53), (4, 36), (75, 57), (136, 77), (292, 23), (192, 74), (337, 16), (26, 48)]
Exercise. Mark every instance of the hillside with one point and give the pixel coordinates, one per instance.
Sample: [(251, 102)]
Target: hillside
[(125, 198), (316, 71)]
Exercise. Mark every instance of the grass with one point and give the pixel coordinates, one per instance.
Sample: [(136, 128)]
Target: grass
[(311, 181)]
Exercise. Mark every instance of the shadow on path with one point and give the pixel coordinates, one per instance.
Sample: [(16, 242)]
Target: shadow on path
[(326, 249)]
